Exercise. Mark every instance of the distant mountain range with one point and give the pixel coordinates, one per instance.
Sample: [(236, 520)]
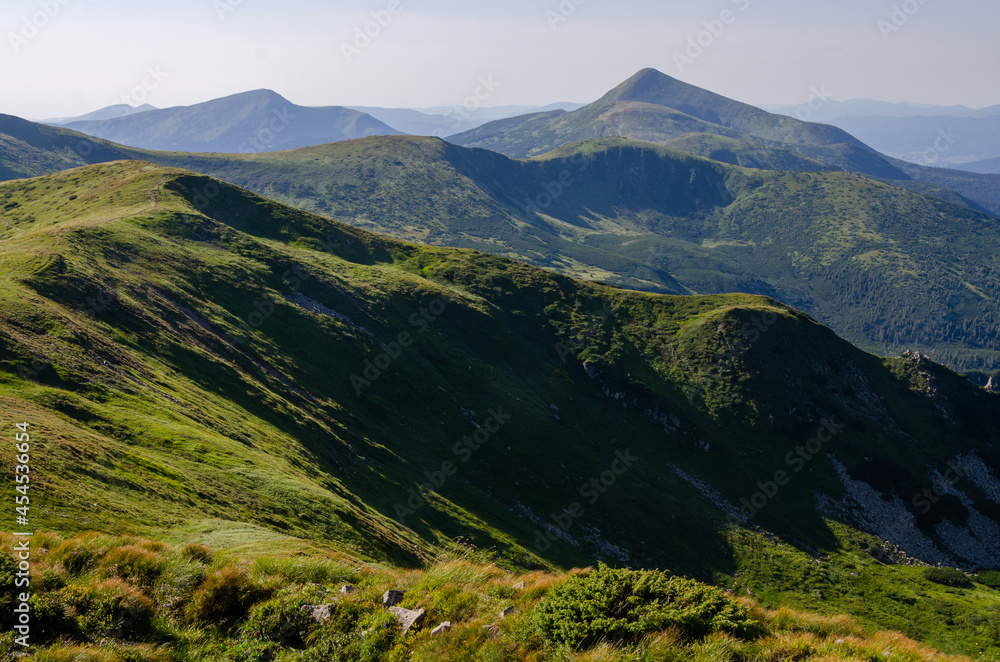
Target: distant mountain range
[(941, 136), (258, 121)]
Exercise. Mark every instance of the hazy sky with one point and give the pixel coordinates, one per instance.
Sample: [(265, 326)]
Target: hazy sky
[(67, 57)]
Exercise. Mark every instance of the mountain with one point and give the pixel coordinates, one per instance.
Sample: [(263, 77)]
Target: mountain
[(445, 120), (107, 113), (653, 107), (192, 357), (258, 121), (890, 270)]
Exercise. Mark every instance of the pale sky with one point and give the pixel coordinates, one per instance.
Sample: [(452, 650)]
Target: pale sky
[(68, 57)]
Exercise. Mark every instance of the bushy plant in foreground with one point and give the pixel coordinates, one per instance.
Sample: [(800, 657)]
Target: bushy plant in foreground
[(624, 605), (225, 598)]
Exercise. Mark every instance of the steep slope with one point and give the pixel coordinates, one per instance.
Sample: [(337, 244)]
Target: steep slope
[(184, 350), (258, 121), (651, 218)]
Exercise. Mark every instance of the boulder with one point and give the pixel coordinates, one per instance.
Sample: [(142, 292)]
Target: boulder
[(509, 611), (442, 628), (392, 598), (408, 618), (319, 613), (346, 588)]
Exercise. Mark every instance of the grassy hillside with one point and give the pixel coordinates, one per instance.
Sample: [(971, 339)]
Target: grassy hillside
[(889, 269), (193, 358)]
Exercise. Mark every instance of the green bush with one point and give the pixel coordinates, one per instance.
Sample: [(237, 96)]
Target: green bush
[(110, 608), (198, 553), (623, 605), (948, 577), (281, 620), (49, 617), (134, 564), (225, 598), (989, 578)]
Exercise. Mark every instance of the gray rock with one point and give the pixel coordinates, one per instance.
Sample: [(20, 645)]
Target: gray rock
[(347, 588), (319, 613), (509, 611), (442, 628), (519, 586), (392, 598), (408, 618)]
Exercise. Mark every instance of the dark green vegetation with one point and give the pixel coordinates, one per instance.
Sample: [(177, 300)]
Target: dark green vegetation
[(622, 606), (227, 606), (888, 269), (198, 363), (249, 122)]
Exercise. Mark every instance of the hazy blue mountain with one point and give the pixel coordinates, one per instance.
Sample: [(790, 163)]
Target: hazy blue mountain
[(830, 110), (942, 141), (443, 121), (257, 121), (106, 113)]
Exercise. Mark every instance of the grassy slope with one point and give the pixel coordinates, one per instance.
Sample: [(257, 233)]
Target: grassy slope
[(887, 268), (155, 351)]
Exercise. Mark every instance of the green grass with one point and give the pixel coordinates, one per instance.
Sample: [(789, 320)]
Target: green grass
[(185, 378)]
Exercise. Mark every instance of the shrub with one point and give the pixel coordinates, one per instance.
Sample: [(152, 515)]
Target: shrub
[(948, 577), (989, 578), (281, 620), (198, 553), (134, 564), (81, 554), (624, 605), (49, 617), (110, 608), (225, 598)]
